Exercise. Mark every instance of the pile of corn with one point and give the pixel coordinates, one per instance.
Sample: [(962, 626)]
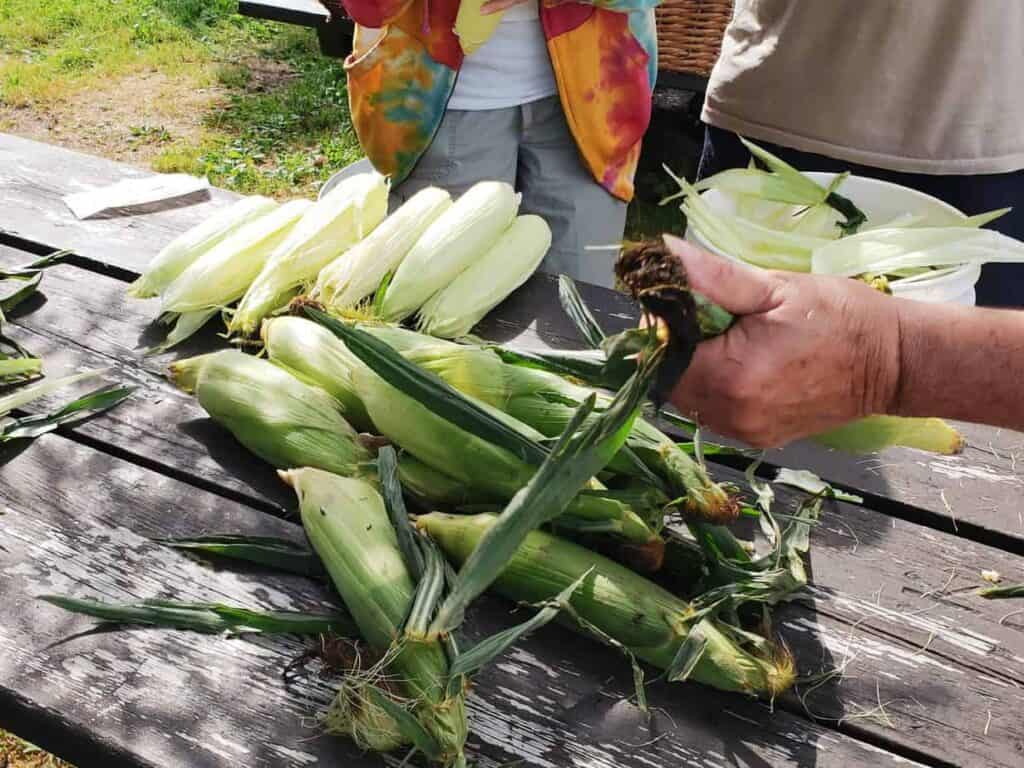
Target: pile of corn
[(577, 527), (535, 476), (446, 263)]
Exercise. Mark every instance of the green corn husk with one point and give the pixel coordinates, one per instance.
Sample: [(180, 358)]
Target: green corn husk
[(313, 354), (348, 526), (430, 487), (546, 402), (488, 469), (184, 250), (648, 620), (282, 420), (325, 232)]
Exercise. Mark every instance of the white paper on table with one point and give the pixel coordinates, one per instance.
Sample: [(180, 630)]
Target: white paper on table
[(132, 193)]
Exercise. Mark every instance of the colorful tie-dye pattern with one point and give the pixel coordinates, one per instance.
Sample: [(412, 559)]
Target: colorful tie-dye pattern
[(604, 56)]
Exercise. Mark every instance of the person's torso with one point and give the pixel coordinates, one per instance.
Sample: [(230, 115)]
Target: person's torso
[(401, 79), (925, 86), (512, 68)]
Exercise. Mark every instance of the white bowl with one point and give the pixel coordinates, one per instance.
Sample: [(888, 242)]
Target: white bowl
[(882, 201)]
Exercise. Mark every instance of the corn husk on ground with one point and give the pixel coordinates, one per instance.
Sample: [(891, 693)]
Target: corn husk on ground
[(342, 218)]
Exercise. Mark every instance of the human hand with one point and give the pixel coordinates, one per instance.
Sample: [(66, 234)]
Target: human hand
[(807, 352)]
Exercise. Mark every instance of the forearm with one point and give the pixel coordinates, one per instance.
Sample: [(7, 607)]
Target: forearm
[(961, 363)]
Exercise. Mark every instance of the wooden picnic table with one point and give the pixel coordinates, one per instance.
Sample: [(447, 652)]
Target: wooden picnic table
[(923, 672)]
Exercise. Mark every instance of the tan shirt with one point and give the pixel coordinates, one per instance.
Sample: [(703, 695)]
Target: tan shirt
[(922, 86)]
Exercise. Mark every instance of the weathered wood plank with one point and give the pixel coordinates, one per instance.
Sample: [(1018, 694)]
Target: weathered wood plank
[(859, 584), (33, 179), (152, 697), (89, 311)]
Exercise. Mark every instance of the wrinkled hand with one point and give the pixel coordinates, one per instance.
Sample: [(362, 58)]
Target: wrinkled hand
[(807, 353)]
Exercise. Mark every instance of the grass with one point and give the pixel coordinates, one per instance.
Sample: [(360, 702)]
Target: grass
[(283, 141), (279, 125)]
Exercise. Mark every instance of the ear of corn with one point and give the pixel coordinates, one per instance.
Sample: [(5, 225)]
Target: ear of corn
[(273, 414), (474, 28), (347, 524), (328, 229), (875, 433), (488, 471), (648, 620), (312, 353), (456, 239), (185, 249), (546, 402), (348, 280), (222, 274), (488, 281)]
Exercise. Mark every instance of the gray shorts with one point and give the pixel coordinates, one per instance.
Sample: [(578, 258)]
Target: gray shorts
[(530, 147)]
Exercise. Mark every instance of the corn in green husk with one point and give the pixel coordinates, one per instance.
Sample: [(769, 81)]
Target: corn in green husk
[(348, 525), (650, 622), (481, 465), (546, 402), (312, 353), (279, 418)]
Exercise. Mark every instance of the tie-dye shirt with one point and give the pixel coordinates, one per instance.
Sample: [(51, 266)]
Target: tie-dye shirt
[(604, 54)]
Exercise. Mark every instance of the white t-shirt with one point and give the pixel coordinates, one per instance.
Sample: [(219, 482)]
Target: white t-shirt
[(513, 67)]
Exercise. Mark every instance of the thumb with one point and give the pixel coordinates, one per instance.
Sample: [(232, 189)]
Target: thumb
[(738, 288)]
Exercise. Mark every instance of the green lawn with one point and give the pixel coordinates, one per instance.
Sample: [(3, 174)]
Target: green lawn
[(277, 119)]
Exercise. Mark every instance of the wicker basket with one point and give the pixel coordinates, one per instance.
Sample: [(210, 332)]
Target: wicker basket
[(690, 34)]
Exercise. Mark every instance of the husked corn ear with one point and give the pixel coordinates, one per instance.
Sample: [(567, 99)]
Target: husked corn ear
[(455, 240), (488, 281), (316, 356), (647, 619), (348, 525), (335, 223), (184, 250), (352, 277), (221, 275), (472, 27), (282, 420)]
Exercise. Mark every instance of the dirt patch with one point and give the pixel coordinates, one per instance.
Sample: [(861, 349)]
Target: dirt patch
[(267, 74), (130, 120)]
